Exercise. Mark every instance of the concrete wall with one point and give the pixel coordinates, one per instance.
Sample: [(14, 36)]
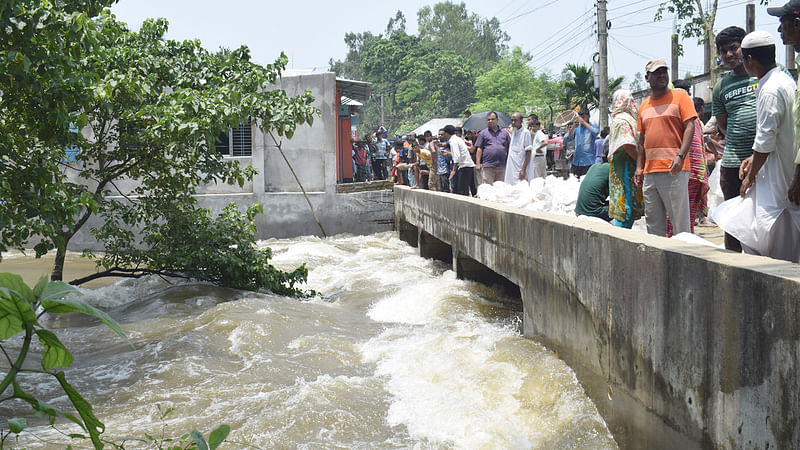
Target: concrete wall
[(680, 346)]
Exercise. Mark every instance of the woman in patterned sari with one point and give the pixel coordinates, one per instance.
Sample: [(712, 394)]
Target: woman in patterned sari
[(626, 203)]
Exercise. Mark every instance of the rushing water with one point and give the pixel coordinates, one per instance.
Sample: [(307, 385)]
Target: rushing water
[(395, 353)]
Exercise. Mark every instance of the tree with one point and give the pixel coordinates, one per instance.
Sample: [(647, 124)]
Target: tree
[(510, 86), (450, 26), (581, 89), (424, 76), (42, 91), (637, 84), (694, 21), (154, 109)]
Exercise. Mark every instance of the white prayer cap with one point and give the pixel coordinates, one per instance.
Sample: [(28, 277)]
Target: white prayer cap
[(758, 38)]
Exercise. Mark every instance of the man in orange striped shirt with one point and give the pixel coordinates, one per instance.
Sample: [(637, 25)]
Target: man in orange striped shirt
[(666, 128)]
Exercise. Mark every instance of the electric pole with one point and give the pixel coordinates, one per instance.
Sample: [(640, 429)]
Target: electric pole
[(602, 36)]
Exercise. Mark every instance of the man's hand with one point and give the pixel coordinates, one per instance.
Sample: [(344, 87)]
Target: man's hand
[(744, 169), (522, 174), (747, 181), (676, 165), (477, 166), (794, 186), (638, 177)]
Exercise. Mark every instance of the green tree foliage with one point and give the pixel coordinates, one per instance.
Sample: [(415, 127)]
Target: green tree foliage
[(580, 88), (422, 76), (152, 109), (513, 86), (450, 26), (42, 91)]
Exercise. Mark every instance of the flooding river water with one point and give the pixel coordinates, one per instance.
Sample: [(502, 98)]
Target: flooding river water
[(394, 353)]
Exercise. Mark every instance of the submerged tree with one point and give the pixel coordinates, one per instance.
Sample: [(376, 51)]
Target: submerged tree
[(152, 110)]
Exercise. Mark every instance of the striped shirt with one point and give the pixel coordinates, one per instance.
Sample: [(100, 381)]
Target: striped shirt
[(735, 95)]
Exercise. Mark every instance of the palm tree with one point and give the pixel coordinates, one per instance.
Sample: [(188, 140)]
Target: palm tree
[(580, 88)]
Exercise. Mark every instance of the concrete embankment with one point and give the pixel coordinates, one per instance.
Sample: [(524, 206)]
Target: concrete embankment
[(679, 345)]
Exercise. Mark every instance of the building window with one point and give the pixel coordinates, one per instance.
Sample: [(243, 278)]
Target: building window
[(237, 141)]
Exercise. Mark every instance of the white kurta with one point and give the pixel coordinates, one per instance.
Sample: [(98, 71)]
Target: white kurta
[(520, 146), (764, 220)]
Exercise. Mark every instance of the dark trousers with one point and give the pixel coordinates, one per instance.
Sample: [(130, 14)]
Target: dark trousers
[(379, 169), (730, 183), (444, 182), (465, 181)]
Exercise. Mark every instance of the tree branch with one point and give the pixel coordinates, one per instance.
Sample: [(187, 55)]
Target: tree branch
[(278, 145)]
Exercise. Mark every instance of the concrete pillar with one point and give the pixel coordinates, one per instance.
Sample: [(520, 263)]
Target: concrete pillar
[(407, 233), (467, 268), (430, 247)]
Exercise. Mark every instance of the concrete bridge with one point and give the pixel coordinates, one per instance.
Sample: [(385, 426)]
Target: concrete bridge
[(680, 346)]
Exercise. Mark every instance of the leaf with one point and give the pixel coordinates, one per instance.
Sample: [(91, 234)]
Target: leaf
[(55, 290), (14, 282), (55, 354), (218, 436), (17, 424), (12, 302), (54, 306), (37, 291), (91, 423), (198, 439), (10, 322)]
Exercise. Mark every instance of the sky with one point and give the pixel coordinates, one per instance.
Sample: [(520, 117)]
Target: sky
[(555, 32)]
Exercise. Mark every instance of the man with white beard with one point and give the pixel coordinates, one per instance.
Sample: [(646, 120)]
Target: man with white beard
[(519, 151)]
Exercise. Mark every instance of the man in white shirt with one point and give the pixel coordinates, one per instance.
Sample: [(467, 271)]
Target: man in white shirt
[(539, 153), (463, 166), (519, 151), (766, 222)]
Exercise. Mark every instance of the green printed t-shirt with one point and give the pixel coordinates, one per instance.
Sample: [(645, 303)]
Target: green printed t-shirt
[(735, 95)]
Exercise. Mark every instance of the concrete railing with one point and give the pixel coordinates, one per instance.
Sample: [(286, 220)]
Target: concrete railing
[(679, 345)]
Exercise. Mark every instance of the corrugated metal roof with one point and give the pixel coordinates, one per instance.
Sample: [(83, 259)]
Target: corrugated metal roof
[(354, 90)]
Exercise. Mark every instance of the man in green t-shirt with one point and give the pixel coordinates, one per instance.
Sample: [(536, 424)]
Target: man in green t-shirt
[(733, 103)]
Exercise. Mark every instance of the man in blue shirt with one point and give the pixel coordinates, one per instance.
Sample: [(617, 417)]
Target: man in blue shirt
[(584, 134), (381, 157)]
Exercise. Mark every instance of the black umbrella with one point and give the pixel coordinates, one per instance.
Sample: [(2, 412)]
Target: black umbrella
[(478, 121)]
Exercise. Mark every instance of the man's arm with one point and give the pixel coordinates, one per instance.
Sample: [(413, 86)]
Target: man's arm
[(758, 160), (478, 156), (794, 186), (638, 176), (524, 169), (722, 123), (688, 134)]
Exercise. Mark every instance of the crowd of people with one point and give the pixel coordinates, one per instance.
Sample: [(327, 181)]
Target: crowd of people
[(655, 158), (456, 160), (660, 153)]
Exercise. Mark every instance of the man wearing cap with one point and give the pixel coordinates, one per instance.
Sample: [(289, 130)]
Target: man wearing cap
[(790, 34), (666, 128), (733, 103), (584, 134), (766, 222)]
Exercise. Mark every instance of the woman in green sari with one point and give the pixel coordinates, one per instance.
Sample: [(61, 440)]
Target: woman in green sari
[(626, 203)]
